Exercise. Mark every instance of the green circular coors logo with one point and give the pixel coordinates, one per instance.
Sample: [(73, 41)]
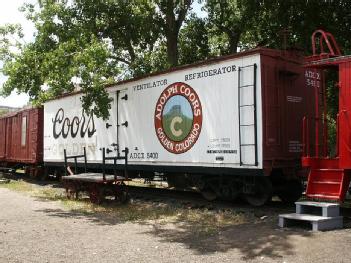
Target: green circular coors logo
[(178, 117)]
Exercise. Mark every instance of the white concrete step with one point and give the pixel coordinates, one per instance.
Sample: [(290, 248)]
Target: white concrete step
[(317, 204), (317, 222), (318, 208)]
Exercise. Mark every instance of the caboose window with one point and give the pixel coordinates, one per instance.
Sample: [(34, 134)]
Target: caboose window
[(24, 131)]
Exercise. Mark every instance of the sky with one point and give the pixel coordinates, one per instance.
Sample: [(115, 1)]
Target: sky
[(9, 13)]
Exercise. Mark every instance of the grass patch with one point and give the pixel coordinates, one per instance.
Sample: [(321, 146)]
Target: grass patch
[(201, 222), (19, 186)]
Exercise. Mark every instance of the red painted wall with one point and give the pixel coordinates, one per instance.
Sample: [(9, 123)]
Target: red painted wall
[(2, 138), (345, 115), (285, 101)]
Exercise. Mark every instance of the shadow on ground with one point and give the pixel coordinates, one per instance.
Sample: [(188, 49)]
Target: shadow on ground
[(251, 239), (254, 238)]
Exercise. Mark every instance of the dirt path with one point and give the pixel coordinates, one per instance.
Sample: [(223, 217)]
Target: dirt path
[(33, 230)]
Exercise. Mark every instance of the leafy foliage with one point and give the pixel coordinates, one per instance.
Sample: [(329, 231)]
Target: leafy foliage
[(301, 18), (62, 55), (171, 17), (86, 44), (3, 112), (229, 20), (194, 41)]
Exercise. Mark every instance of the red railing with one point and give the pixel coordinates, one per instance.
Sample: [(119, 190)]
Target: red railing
[(320, 128), (337, 135), (305, 137), (328, 39)]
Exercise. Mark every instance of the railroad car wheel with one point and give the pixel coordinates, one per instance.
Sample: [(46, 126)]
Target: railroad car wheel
[(177, 181), (291, 191), (44, 174), (207, 187), (208, 194), (224, 188), (96, 195), (122, 197), (262, 192), (229, 189), (121, 193), (71, 191)]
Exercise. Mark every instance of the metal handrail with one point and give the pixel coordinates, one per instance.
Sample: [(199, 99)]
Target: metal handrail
[(329, 39), (115, 159), (306, 145), (75, 157), (104, 159)]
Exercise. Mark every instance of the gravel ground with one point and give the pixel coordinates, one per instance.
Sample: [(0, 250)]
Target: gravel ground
[(33, 230)]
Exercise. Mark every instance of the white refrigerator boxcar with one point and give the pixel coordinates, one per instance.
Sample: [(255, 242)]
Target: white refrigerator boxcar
[(220, 123)]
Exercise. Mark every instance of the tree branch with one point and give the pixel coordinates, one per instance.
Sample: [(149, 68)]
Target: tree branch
[(182, 13), (121, 59)]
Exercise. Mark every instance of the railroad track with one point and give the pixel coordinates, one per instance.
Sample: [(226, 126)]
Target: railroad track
[(189, 199), (168, 195), (2, 179), (194, 200)]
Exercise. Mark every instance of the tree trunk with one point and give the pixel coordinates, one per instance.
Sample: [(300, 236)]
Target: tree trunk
[(172, 49), (233, 43), (172, 25)]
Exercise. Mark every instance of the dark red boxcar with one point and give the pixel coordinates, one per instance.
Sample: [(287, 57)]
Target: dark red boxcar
[(286, 101), (21, 137)]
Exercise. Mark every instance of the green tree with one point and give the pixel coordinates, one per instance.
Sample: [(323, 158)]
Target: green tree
[(3, 112), (171, 19), (301, 18), (128, 25), (62, 55), (10, 40), (89, 44), (86, 43), (229, 20), (194, 41)]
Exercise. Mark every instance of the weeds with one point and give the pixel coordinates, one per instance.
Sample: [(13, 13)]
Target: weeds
[(202, 222), (19, 186)]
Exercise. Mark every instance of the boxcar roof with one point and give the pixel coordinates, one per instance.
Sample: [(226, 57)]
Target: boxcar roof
[(14, 113)]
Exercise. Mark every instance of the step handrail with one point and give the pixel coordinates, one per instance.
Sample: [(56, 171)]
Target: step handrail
[(328, 39)]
